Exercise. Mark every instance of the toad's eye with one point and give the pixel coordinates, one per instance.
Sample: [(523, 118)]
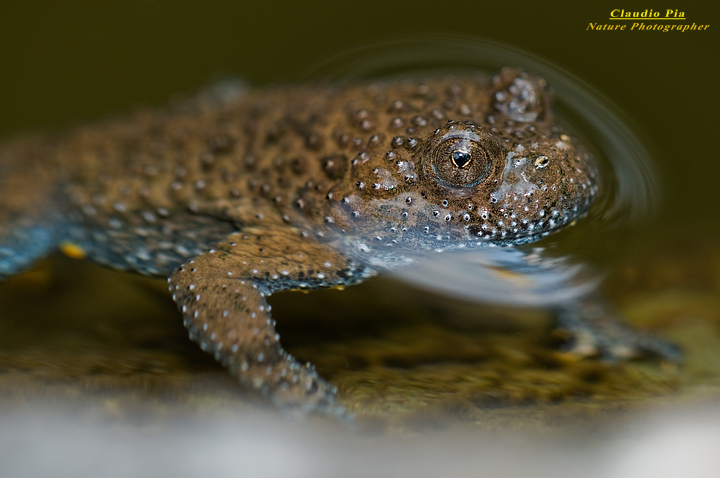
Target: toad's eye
[(462, 155)]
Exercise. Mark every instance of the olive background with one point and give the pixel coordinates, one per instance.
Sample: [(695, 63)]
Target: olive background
[(73, 330)]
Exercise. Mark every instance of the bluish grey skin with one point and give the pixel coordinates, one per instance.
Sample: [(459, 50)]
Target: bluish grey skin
[(237, 195)]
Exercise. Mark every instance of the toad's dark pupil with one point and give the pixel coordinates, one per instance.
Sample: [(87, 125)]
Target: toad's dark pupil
[(461, 158)]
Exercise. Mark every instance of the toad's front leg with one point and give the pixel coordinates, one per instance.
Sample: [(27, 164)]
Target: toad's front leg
[(222, 294)]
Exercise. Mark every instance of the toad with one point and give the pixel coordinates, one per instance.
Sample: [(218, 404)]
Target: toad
[(237, 193)]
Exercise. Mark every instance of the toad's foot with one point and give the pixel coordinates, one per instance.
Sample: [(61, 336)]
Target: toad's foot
[(222, 294), (596, 330)]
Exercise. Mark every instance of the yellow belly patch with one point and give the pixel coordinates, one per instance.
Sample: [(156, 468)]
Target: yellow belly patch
[(72, 250)]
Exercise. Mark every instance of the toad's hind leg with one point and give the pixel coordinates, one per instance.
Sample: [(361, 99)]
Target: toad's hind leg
[(29, 219), (222, 294), (21, 243)]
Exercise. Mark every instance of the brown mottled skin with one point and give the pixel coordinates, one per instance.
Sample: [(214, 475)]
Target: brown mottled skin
[(237, 194)]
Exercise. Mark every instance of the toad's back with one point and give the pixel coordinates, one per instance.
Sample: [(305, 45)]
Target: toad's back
[(149, 191), (294, 187)]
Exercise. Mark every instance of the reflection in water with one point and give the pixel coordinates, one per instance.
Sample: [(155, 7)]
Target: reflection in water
[(501, 275)]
